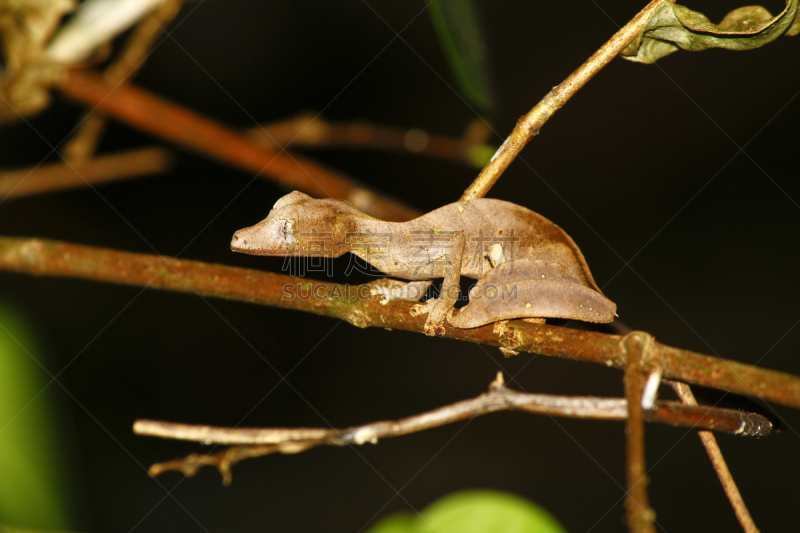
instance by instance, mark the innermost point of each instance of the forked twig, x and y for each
(684, 392)
(254, 442)
(529, 125)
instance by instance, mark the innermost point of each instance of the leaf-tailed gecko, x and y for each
(526, 266)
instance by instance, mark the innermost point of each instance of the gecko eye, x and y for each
(283, 230)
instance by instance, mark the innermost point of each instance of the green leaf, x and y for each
(396, 523)
(456, 24)
(474, 511)
(672, 26)
(31, 464)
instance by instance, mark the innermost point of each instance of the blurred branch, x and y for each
(179, 125)
(84, 143)
(355, 305)
(57, 176)
(254, 442)
(308, 129)
(684, 392)
(529, 125)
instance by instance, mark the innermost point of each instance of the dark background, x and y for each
(641, 163)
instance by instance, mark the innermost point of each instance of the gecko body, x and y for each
(526, 266)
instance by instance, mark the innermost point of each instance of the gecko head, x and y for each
(297, 225)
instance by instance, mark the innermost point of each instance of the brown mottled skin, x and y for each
(536, 270)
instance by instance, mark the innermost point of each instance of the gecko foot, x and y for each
(423, 308)
(392, 289)
(434, 330)
(434, 327)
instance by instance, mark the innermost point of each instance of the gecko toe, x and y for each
(434, 330)
(423, 308)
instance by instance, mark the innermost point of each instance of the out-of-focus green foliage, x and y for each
(480, 154)
(672, 26)
(474, 511)
(31, 467)
(456, 24)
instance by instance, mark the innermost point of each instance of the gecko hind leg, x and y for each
(392, 289)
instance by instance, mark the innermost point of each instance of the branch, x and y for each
(179, 125)
(720, 466)
(254, 442)
(58, 176)
(308, 129)
(529, 125)
(637, 346)
(355, 305)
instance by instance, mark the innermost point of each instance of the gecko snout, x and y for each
(238, 242)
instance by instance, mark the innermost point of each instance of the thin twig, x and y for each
(84, 143)
(252, 442)
(684, 392)
(58, 176)
(637, 346)
(355, 305)
(529, 125)
(308, 129)
(178, 124)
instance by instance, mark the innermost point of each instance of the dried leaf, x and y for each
(672, 26)
(95, 24)
(25, 27)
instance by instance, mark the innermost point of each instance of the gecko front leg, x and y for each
(438, 308)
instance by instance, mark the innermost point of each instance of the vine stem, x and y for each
(529, 125)
(355, 305)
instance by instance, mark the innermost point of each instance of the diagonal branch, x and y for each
(355, 305)
(254, 442)
(684, 392)
(529, 125)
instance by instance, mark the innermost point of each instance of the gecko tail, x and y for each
(533, 298)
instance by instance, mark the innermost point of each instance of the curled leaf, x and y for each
(672, 26)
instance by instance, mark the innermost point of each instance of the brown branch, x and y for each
(637, 346)
(308, 129)
(179, 125)
(58, 176)
(720, 466)
(529, 125)
(83, 144)
(253, 442)
(355, 305)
